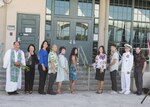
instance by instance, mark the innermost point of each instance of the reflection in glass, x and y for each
(97, 7)
(48, 27)
(48, 6)
(63, 30)
(141, 15)
(96, 26)
(120, 21)
(62, 7)
(85, 8)
(120, 12)
(81, 31)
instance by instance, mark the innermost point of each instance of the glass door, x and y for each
(74, 33)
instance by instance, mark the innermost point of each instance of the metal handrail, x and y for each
(1, 52)
(82, 55)
(85, 63)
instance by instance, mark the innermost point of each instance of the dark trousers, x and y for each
(113, 76)
(29, 79)
(138, 79)
(42, 79)
(52, 78)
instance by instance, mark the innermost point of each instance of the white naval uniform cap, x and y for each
(127, 45)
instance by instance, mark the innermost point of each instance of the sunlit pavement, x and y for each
(80, 99)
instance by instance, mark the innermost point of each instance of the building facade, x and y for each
(76, 23)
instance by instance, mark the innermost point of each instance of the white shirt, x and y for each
(114, 56)
(127, 62)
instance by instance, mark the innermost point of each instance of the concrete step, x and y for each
(82, 82)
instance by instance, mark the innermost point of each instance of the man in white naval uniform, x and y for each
(127, 64)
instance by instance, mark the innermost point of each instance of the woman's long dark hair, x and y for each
(43, 44)
(71, 54)
(102, 49)
(32, 46)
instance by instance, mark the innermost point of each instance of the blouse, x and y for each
(43, 57)
(100, 61)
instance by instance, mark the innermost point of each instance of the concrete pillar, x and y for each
(103, 23)
(106, 38)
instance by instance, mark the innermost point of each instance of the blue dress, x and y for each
(72, 73)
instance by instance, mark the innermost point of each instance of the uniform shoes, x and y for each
(127, 92)
(139, 93)
(114, 92)
(122, 92)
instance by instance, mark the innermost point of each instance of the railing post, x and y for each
(89, 77)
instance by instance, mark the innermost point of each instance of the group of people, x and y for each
(128, 62)
(59, 69)
(49, 63)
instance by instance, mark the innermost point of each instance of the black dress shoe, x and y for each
(43, 93)
(10, 93)
(52, 93)
(15, 93)
(139, 93)
(26, 92)
(30, 92)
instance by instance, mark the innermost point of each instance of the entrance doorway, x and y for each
(28, 30)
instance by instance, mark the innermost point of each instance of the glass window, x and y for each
(62, 7)
(96, 26)
(97, 9)
(48, 7)
(63, 29)
(120, 12)
(81, 31)
(85, 8)
(48, 20)
(48, 27)
(120, 18)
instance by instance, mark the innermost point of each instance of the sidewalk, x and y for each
(81, 99)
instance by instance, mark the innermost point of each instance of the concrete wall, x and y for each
(2, 23)
(26, 7)
(2, 32)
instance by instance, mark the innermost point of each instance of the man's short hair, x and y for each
(114, 45)
(16, 42)
(138, 47)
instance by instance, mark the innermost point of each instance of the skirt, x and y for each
(99, 75)
(72, 73)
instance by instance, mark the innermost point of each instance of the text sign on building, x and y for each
(28, 30)
(10, 27)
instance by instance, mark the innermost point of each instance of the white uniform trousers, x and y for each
(125, 82)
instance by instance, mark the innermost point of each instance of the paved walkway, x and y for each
(81, 99)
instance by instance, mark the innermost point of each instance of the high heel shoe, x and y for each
(100, 91)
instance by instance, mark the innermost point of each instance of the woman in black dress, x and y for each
(100, 62)
(31, 61)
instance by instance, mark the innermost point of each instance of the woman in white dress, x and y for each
(63, 72)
